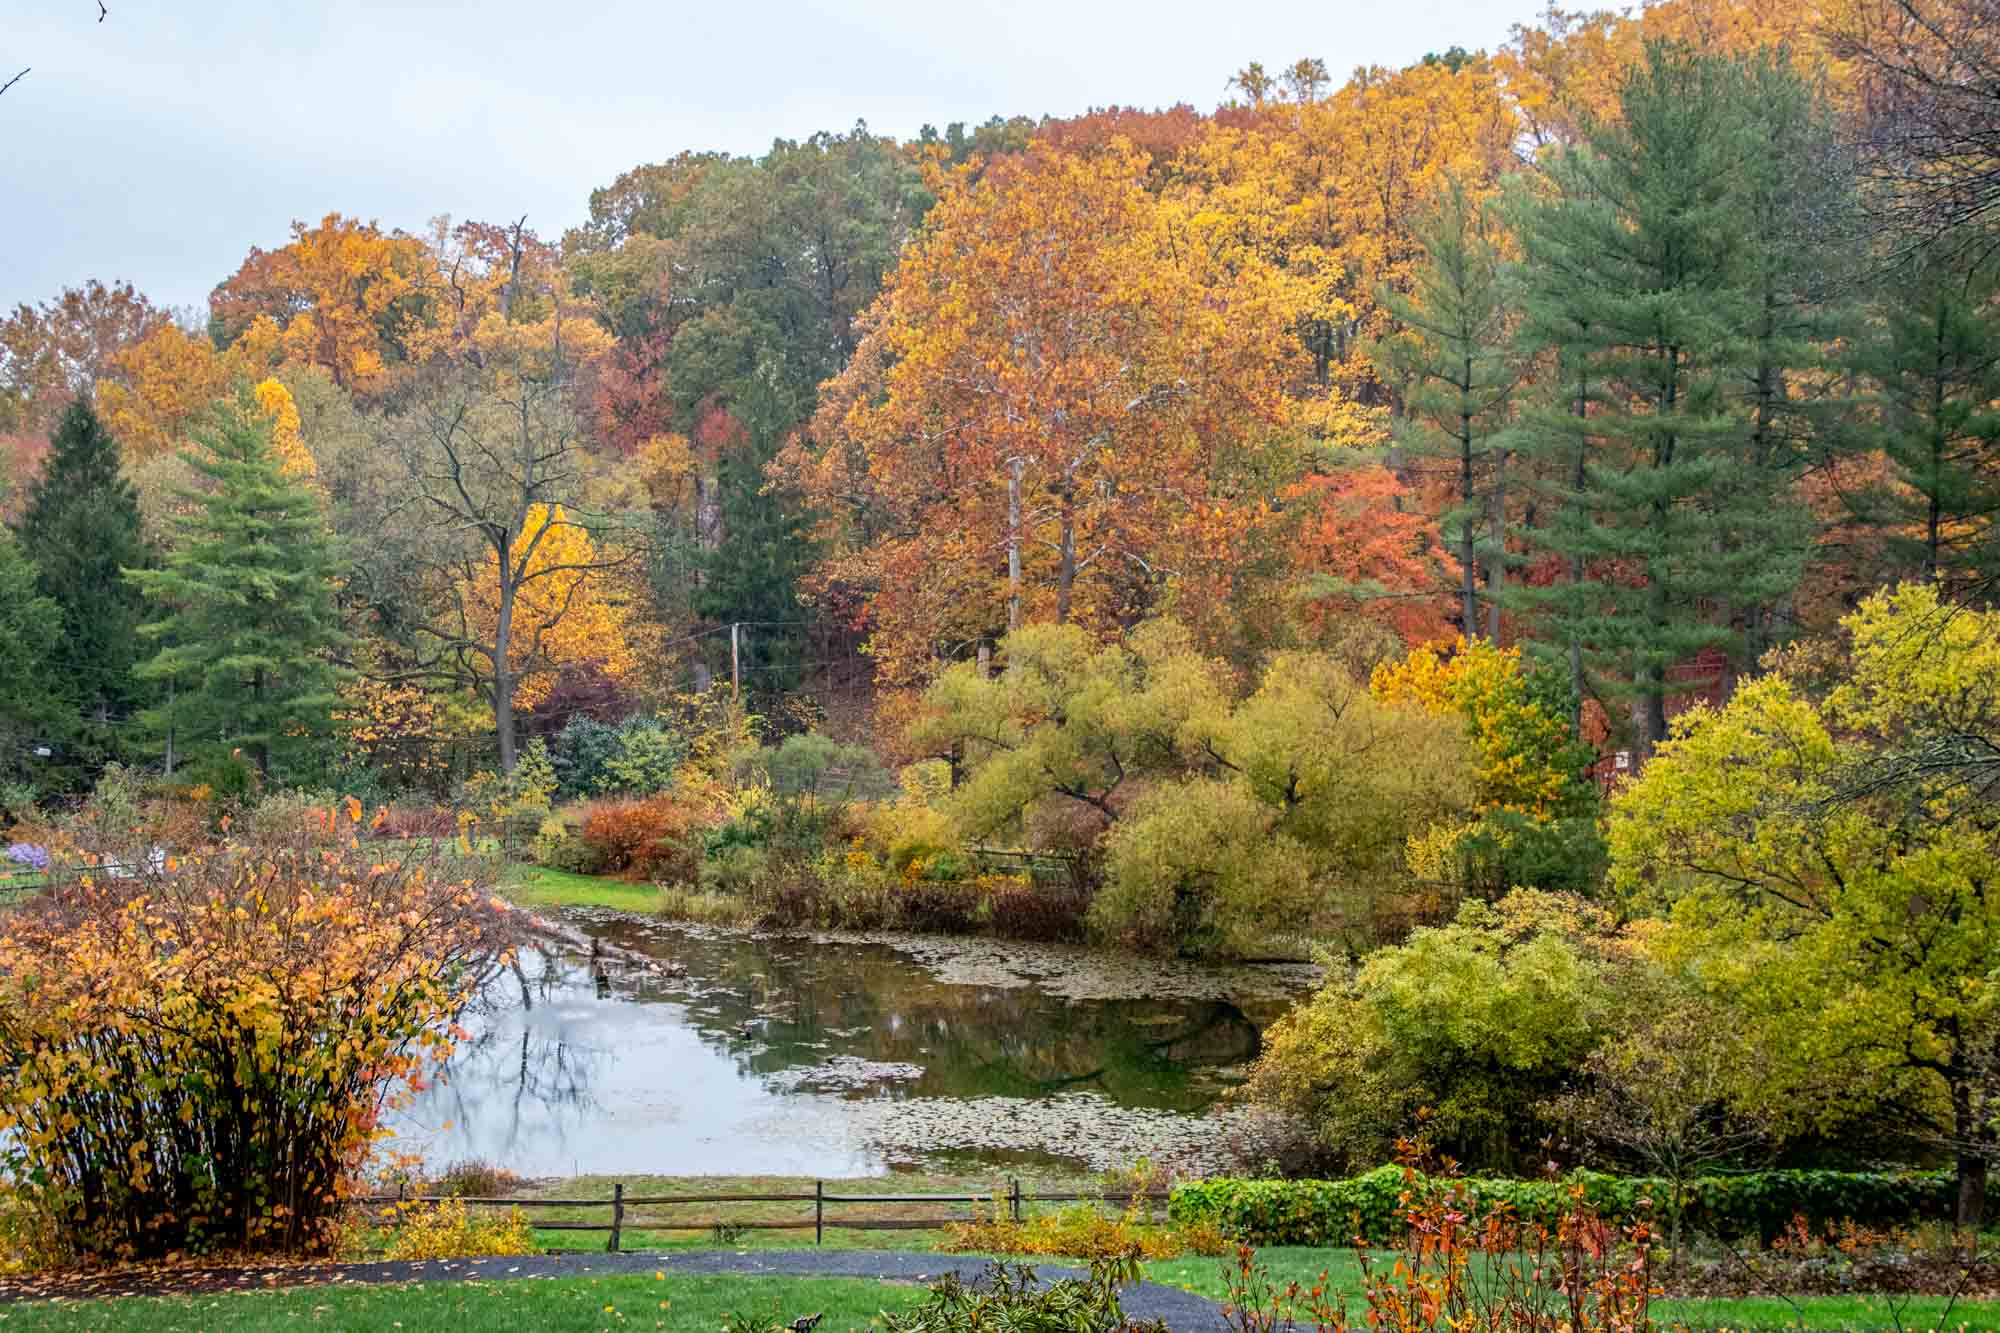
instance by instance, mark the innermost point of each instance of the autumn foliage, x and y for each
(196, 1052)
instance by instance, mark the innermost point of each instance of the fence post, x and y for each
(819, 1211)
(617, 1215)
(1014, 1197)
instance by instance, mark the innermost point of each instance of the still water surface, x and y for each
(631, 1046)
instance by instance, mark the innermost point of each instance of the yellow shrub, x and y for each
(450, 1230)
(1081, 1231)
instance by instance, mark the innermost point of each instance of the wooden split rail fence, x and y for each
(620, 1202)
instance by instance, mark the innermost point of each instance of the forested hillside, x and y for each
(1523, 528)
(1648, 343)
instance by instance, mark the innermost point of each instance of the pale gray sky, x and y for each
(161, 144)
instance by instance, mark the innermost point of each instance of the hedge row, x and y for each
(1334, 1212)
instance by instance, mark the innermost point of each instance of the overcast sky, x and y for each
(162, 143)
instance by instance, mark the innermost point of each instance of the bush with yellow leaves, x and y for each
(1083, 1231)
(449, 1229)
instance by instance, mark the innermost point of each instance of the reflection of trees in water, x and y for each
(776, 1005)
(500, 1082)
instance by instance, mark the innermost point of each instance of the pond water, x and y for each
(627, 1045)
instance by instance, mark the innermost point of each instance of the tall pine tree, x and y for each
(1457, 367)
(752, 574)
(1642, 283)
(34, 714)
(81, 527)
(247, 620)
(1935, 358)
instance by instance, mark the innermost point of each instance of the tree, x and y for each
(1290, 817)
(1666, 1093)
(1065, 720)
(1930, 75)
(1829, 857)
(1640, 275)
(1936, 358)
(491, 449)
(81, 525)
(1457, 368)
(1462, 1033)
(245, 610)
(754, 573)
(1067, 381)
(33, 711)
(344, 295)
(56, 350)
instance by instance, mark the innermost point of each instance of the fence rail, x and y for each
(620, 1202)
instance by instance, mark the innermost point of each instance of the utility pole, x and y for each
(735, 664)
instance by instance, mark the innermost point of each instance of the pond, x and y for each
(627, 1045)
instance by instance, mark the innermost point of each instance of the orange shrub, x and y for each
(196, 1054)
(653, 837)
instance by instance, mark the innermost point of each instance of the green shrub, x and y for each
(1761, 1204)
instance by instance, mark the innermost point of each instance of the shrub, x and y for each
(1573, 1273)
(656, 837)
(474, 1179)
(560, 845)
(197, 1054)
(451, 1230)
(580, 753)
(1083, 1231)
(645, 759)
(1009, 1297)
(1762, 1204)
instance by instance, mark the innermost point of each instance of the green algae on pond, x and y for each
(626, 1045)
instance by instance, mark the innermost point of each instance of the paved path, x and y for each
(1183, 1311)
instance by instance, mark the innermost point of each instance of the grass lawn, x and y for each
(533, 886)
(1824, 1314)
(552, 1306)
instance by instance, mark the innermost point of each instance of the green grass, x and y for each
(535, 886)
(1824, 1314)
(555, 1306)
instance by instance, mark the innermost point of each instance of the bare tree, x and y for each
(1930, 74)
(485, 449)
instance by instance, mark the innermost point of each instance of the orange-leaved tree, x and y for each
(197, 1052)
(345, 295)
(1067, 378)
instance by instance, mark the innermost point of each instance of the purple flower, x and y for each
(28, 854)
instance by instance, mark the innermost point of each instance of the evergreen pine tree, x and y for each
(1936, 360)
(34, 715)
(81, 527)
(246, 620)
(1458, 368)
(753, 573)
(1641, 283)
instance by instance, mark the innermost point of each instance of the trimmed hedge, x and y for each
(1763, 1203)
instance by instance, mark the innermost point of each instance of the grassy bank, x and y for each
(550, 1306)
(535, 886)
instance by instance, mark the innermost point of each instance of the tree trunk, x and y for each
(1014, 544)
(1066, 573)
(1496, 567)
(1974, 1143)
(1468, 557)
(503, 674)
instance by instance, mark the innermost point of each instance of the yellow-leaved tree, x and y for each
(1827, 846)
(570, 610)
